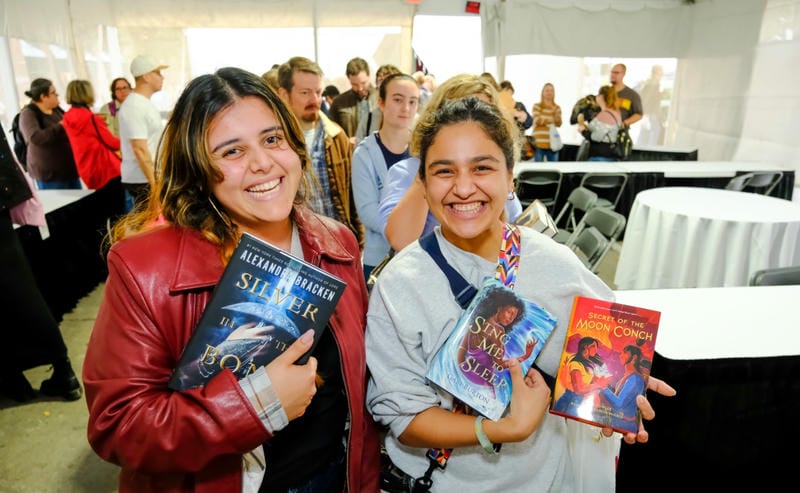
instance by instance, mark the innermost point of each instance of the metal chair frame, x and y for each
(589, 245)
(607, 222)
(776, 276)
(529, 181)
(606, 184)
(763, 182)
(579, 199)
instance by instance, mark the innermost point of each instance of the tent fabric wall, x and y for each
(736, 93)
(772, 126)
(653, 30)
(738, 86)
(714, 77)
(25, 18)
(156, 27)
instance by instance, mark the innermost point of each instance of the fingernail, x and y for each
(308, 337)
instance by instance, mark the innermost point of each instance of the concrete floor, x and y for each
(43, 446)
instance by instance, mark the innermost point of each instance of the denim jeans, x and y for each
(542, 154)
(129, 201)
(74, 184)
(329, 479)
(136, 195)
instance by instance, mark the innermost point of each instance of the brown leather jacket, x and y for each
(339, 158)
(192, 441)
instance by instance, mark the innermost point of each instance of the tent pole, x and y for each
(314, 20)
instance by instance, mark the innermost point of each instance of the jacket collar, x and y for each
(199, 264)
(331, 129)
(320, 237)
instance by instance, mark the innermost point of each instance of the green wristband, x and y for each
(487, 444)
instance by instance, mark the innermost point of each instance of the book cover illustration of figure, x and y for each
(496, 326)
(264, 301)
(605, 363)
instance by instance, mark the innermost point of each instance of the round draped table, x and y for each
(683, 237)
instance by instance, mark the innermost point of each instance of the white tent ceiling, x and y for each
(737, 76)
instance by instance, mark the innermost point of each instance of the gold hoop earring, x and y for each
(225, 218)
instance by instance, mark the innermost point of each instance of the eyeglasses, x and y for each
(123, 88)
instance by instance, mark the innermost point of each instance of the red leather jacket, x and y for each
(159, 282)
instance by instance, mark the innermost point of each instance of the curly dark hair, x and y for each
(497, 298)
(469, 109)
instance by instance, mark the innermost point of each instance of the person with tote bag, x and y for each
(546, 120)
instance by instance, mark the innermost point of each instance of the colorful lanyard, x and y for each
(506, 272)
(508, 258)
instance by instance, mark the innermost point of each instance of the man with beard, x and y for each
(329, 148)
(351, 106)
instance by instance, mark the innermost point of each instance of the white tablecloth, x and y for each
(671, 169)
(680, 237)
(55, 199)
(712, 323)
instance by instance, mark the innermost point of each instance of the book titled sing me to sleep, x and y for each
(496, 326)
(605, 363)
(265, 300)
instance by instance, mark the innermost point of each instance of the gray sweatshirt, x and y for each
(411, 313)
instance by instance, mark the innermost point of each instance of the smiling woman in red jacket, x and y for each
(232, 161)
(95, 148)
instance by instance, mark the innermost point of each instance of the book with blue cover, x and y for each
(496, 326)
(265, 300)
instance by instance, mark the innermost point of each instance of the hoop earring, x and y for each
(512, 195)
(225, 219)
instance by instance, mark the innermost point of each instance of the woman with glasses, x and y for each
(49, 156)
(120, 88)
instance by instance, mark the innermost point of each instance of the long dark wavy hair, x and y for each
(185, 171)
(591, 361)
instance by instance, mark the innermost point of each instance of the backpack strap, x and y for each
(40, 116)
(462, 290)
(615, 118)
(608, 134)
(100, 136)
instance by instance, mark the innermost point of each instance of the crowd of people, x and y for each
(344, 181)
